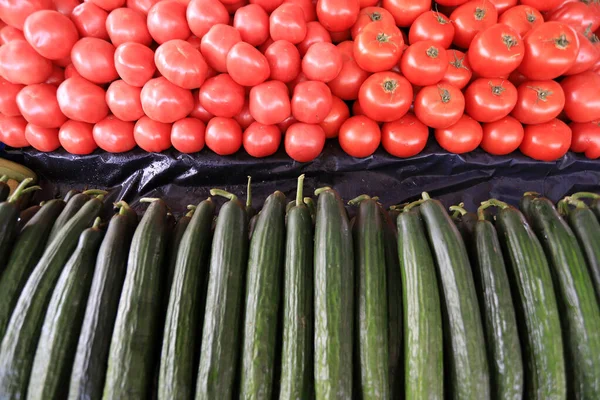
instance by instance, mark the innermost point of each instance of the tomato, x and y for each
(385, 96)
(439, 106)
(311, 102)
(203, 14)
(284, 61)
(268, 5)
(8, 34)
(546, 142)
(81, 100)
(462, 137)
(8, 98)
(216, 44)
(542, 5)
(244, 117)
(432, 26)
(371, 14)
(70, 72)
(42, 139)
(339, 37)
(124, 101)
(496, 51)
(308, 9)
(14, 12)
(252, 23)
(134, 63)
(246, 65)
(113, 135)
(589, 53)
(199, 112)
(488, 100)
(471, 18)
(12, 131)
(299, 79)
(152, 136)
(90, 21)
(126, 25)
(141, 6)
(582, 103)
(357, 109)
(538, 101)
(424, 63)
(223, 136)
(359, 136)
(522, 19)
(304, 142)
(315, 33)
(20, 63)
(348, 82)
(586, 138)
(180, 63)
(336, 117)
(222, 96)
(378, 47)
(77, 137)
(57, 76)
(187, 135)
(577, 14)
(289, 121)
(406, 11)
(167, 21)
(337, 15)
(459, 72)
(287, 23)
(50, 33)
(94, 59)
(502, 137)
(269, 103)
(503, 5)
(261, 140)
(165, 102)
(39, 106)
(550, 50)
(322, 62)
(66, 7)
(233, 5)
(404, 137)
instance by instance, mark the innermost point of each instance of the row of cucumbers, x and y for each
(300, 300)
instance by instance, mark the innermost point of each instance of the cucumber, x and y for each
(62, 323)
(334, 298)
(595, 207)
(465, 222)
(469, 374)
(173, 250)
(91, 357)
(134, 343)
(423, 339)
(70, 194)
(525, 202)
(185, 308)
(579, 311)
(26, 215)
(372, 311)
(535, 305)
(297, 348)
(220, 334)
(24, 327)
(15, 171)
(72, 206)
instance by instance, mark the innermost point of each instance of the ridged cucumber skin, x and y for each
(466, 226)
(71, 208)
(586, 228)
(263, 293)
(58, 341)
(372, 312)
(334, 299)
(221, 342)
(9, 217)
(297, 357)
(469, 373)
(173, 251)
(185, 309)
(91, 359)
(24, 327)
(498, 313)
(423, 337)
(133, 347)
(579, 311)
(535, 306)
(26, 215)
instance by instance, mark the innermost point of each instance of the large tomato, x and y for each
(502, 137)
(261, 140)
(336, 117)
(546, 142)
(8, 98)
(222, 97)
(308, 9)
(582, 103)
(284, 61)
(181, 64)
(20, 63)
(269, 103)
(304, 142)
(311, 102)
(8, 34)
(404, 137)
(124, 101)
(433, 26)
(94, 59)
(187, 135)
(39, 106)
(522, 19)
(462, 137)
(385, 96)
(12, 131)
(368, 15)
(542, 5)
(166, 21)
(586, 138)
(216, 44)
(42, 139)
(152, 136)
(550, 50)
(378, 47)
(223, 136)
(424, 63)
(252, 23)
(244, 118)
(246, 65)
(359, 136)
(471, 18)
(496, 51)
(268, 5)
(348, 82)
(337, 15)
(141, 6)
(459, 71)
(589, 53)
(488, 100)
(199, 112)
(406, 11)
(77, 137)
(439, 106)
(165, 102)
(126, 25)
(503, 5)
(322, 62)
(538, 102)
(50, 33)
(581, 15)
(134, 63)
(315, 33)
(14, 12)
(287, 23)
(90, 20)
(113, 135)
(81, 100)
(203, 14)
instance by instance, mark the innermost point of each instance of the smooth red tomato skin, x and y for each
(134, 63)
(284, 61)
(261, 140)
(252, 22)
(359, 136)
(342, 36)
(244, 118)
(77, 137)
(289, 121)
(315, 33)
(424, 63)
(471, 18)
(287, 23)
(406, 11)
(222, 96)
(385, 96)
(586, 138)
(165, 102)
(588, 55)
(378, 47)
(8, 34)
(522, 19)
(336, 117)
(113, 135)
(223, 136)
(311, 102)
(246, 65)
(216, 44)
(488, 100)
(462, 137)
(90, 21)
(108, 5)
(42, 139)
(542, 5)
(199, 112)
(81, 100)
(8, 98)
(368, 15)
(337, 15)
(268, 5)
(490, 56)
(404, 137)
(187, 135)
(308, 8)
(15, 12)
(322, 62)
(57, 76)
(50, 33)
(12, 131)
(439, 106)
(203, 14)
(348, 82)
(546, 142)
(582, 100)
(459, 71)
(578, 14)
(269, 103)
(304, 142)
(433, 26)
(20, 63)
(167, 21)
(94, 59)
(126, 25)
(538, 102)
(39, 106)
(502, 137)
(151, 136)
(141, 6)
(124, 101)
(181, 64)
(503, 5)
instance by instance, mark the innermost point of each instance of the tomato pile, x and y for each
(116, 74)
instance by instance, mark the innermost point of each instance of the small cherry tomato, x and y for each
(315, 33)
(12, 131)
(522, 19)
(348, 82)
(304, 142)
(90, 20)
(42, 139)
(496, 51)
(244, 118)
(50, 33)
(8, 98)
(203, 14)
(404, 137)
(20, 63)
(359, 136)
(269, 103)
(166, 21)
(187, 135)
(223, 136)
(39, 106)
(385, 96)
(368, 15)
(424, 63)
(459, 72)
(586, 138)
(538, 102)
(471, 18)
(222, 97)
(81, 100)
(124, 101)
(152, 136)
(432, 26)
(546, 142)
(126, 25)
(217, 42)
(488, 100)
(378, 47)
(337, 15)
(261, 140)
(287, 23)
(336, 117)
(134, 63)
(284, 61)
(181, 64)
(502, 137)
(246, 65)
(15, 12)
(94, 59)
(77, 137)
(582, 103)
(165, 102)
(113, 135)
(462, 137)
(322, 62)
(406, 11)
(252, 23)
(439, 106)
(311, 102)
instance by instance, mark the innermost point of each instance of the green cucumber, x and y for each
(465, 222)
(58, 341)
(220, 333)
(185, 308)
(595, 206)
(297, 357)
(525, 202)
(134, 343)
(72, 206)
(535, 305)
(250, 211)
(26, 215)
(70, 194)
(91, 358)
(173, 250)
(334, 298)
(24, 327)
(423, 339)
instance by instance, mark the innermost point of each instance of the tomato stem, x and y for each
(433, 52)
(496, 90)
(542, 94)
(458, 62)
(389, 85)
(531, 18)
(509, 41)
(562, 42)
(444, 94)
(479, 13)
(375, 16)
(383, 38)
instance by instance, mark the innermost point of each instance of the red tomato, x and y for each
(357, 109)
(269, 103)
(90, 21)
(216, 44)
(268, 5)
(311, 102)
(152, 136)
(471, 18)
(304, 142)
(199, 112)
(578, 14)
(308, 9)
(406, 11)
(244, 118)
(385, 96)
(8, 34)
(181, 64)
(336, 117)
(50, 33)
(77, 137)
(223, 136)
(432, 26)
(424, 63)
(66, 7)
(8, 98)
(203, 14)
(124, 101)
(502, 137)
(134, 63)
(187, 135)
(283, 126)
(586, 138)
(12, 131)
(299, 79)
(39, 106)
(222, 96)
(462, 137)
(516, 78)
(342, 36)
(522, 19)
(126, 25)
(234, 5)
(113, 135)
(141, 6)
(322, 62)
(14, 12)
(337, 15)
(20, 63)
(404, 137)
(287, 23)
(252, 22)
(70, 72)
(368, 15)
(378, 47)
(165, 102)
(546, 142)
(582, 103)
(439, 106)
(167, 21)
(81, 100)
(57, 77)
(284, 61)
(315, 33)
(496, 51)
(488, 100)
(538, 102)
(503, 5)
(94, 59)
(261, 140)
(348, 82)
(542, 5)
(42, 139)
(108, 5)
(459, 72)
(359, 136)
(550, 50)
(246, 65)
(589, 53)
